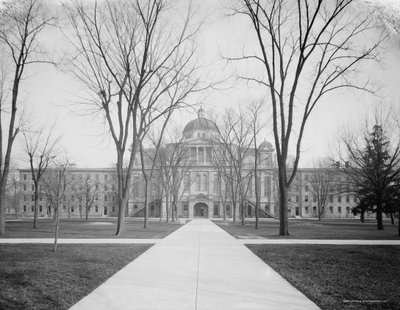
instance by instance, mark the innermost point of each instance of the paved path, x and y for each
(319, 241)
(199, 266)
(77, 240)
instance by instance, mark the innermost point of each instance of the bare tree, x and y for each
(138, 67)
(255, 111)
(86, 193)
(21, 23)
(55, 184)
(307, 49)
(322, 185)
(40, 147)
(231, 149)
(174, 165)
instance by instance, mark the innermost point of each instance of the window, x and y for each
(315, 198)
(33, 198)
(24, 198)
(306, 177)
(297, 198)
(348, 198)
(24, 187)
(289, 198)
(105, 177)
(198, 182)
(306, 210)
(330, 198)
(24, 177)
(72, 177)
(205, 183)
(72, 209)
(105, 197)
(97, 177)
(185, 207)
(105, 210)
(347, 209)
(306, 188)
(31, 208)
(339, 198)
(216, 210)
(306, 198)
(40, 208)
(96, 208)
(80, 177)
(40, 198)
(339, 209)
(331, 210)
(97, 187)
(72, 198)
(314, 209)
(24, 208)
(32, 187)
(105, 187)
(297, 188)
(113, 187)
(354, 198)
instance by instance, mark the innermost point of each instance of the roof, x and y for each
(200, 124)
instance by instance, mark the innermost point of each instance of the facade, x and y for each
(201, 191)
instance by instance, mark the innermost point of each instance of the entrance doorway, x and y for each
(200, 209)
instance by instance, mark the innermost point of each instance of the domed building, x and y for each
(194, 177)
(203, 181)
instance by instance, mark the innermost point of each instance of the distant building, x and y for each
(199, 193)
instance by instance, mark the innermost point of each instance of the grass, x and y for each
(94, 228)
(34, 277)
(339, 277)
(313, 229)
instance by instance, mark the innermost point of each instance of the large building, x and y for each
(202, 189)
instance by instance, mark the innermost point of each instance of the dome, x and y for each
(265, 145)
(200, 123)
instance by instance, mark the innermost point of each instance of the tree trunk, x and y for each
(224, 211)
(146, 202)
(234, 211)
(392, 218)
(283, 206)
(86, 212)
(56, 229)
(319, 211)
(2, 208)
(362, 216)
(398, 221)
(379, 218)
(167, 208)
(35, 210)
(121, 216)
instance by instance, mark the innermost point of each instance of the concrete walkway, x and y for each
(320, 241)
(77, 241)
(199, 266)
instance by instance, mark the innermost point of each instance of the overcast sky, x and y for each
(51, 95)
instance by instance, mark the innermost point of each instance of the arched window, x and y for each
(198, 182)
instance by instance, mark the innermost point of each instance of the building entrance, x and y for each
(200, 209)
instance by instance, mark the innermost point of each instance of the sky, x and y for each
(50, 95)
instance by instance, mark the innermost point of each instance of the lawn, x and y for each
(339, 277)
(34, 277)
(313, 229)
(94, 228)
